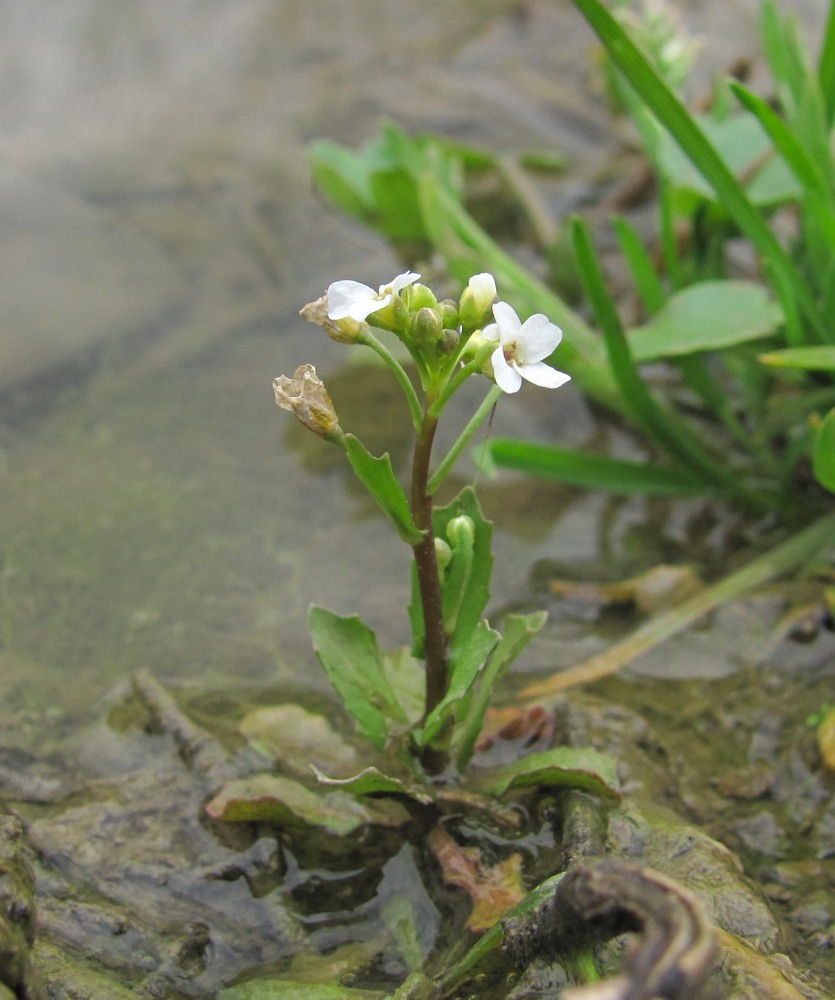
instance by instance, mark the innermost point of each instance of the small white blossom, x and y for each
(483, 288)
(354, 300)
(522, 348)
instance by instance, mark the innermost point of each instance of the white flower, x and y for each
(354, 300)
(521, 349)
(483, 288)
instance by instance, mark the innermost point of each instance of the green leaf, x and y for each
(592, 471)
(565, 766)
(348, 651)
(342, 176)
(272, 798)
(372, 781)
(469, 592)
(674, 116)
(518, 632)
(823, 452)
(475, 588)
(740, 142)
(709, 316)
(813, 359)
(288, 989)
(377, 475)
(467, 660)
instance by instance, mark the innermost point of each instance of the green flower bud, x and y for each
(476, 302)
(427, 326)
(461, 531)
(449, 314)
(443, 555)
(449, 341)
(421, 297)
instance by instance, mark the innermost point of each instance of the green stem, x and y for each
(464, 437)
(454, 384)
(368, 338)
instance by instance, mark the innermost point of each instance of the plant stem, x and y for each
(399, 373)
(463, 438)
(429, 584)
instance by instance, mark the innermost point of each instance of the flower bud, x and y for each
(449, 341)
(443, 555)
(476, 301)
(421, 297)
(427, 326)
(461, 531)
(449, 314)
(305, 395)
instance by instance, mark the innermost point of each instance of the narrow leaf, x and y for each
(377, 475)
(592, 471)
(348, 651)
(290, 989)
(813, 359)
(673, 115)
(823, 452)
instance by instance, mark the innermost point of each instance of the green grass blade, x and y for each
(644, 274)
(661, 426)
(591, 471)
(673, 115)
(826, 66)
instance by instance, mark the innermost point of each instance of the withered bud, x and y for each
(305, 395)
(345, 330)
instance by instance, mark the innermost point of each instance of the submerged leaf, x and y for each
(287, 989)
(567, 766)
(272, 798)
(493, 890)
(298, 738)
(372, 781)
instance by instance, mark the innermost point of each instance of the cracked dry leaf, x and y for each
(493, 889)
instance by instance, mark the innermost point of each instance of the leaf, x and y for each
(372, 781)
(821, 359)
(690, 138)
(288, 989)
(493, 890)
(472, 589)
(377, 475)
(709, 316)
(518, 632)
(348, 651)
(823, 452)
(272, 798)
(467, 660)
(568, 766)
(342, 176)
(592, 471)
(298, 738)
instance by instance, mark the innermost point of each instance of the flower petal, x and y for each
(541, 374)
(537, 339)
(401, 281)
(351, 299)
(483, 288)
(508, 322)
(507, 378)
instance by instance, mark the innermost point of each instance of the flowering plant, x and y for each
(426, 706)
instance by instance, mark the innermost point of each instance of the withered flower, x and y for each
(305, 395)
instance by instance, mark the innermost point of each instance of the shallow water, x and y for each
(159, 236)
